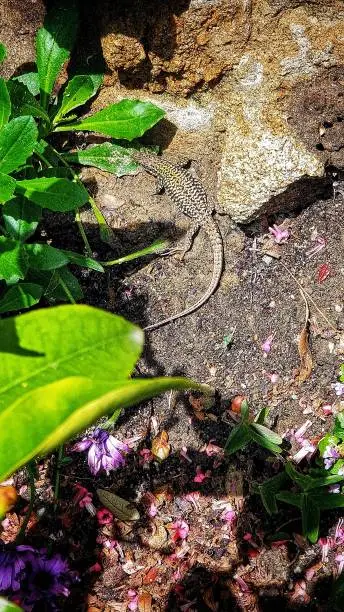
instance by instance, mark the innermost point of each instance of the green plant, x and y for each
(61, 369)
(252, 430)
(305, 490)
(35, 176)
(8, 606)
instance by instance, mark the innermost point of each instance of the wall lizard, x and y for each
(189, 196)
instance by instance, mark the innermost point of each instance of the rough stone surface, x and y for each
(19, 21)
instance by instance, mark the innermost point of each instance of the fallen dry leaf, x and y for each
(144, 602)
(161, 447)
(306, 360)
(8, 498)
(120, 508)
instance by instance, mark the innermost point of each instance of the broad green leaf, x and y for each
(341, 379)
(336, 603)
(21, 218)
(328, 440)
(8, 606)
(106, 156)
(239, 437)
(13, 260)
(20, 296)
(307, 483)
(268, 491)
(7, 187)
(3, 53)
(45, 257)
(310, 518)
(338, 429)
(328, 501)
(33, 426)
(23, 102)
(265, 432)
(5, 103)
(77, 356)
(64, 286)
(259, 435)
(46, 345)
(127, 119)
(30, 80)
(81, 260)
(17, 141)
(58, 194)
(294, 499)
(339, 465)
(79, 89)
(54, 43)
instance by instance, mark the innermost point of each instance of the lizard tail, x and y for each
(211, 227)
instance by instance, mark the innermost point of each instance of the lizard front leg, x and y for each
(181, 250)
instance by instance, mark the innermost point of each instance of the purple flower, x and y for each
(330, 455)
(12, 564)
(47, 577)
(339, 388)
(104, 451)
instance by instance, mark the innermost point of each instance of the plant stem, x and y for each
(106, 232)
(111, 420)
(31, 473)
(83, 233)
(66, 290)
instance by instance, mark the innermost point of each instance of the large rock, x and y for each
(272, 73)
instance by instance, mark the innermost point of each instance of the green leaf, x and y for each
(157, 247)
(30, 80)
(7, 187)
(45, 257)
(328, 501)
(106, 156)
(245, 411)
(79, 89)
(13, 260)
(265, 437)
(294, 499)
(54, 43)
(81, 260)
(120, 508)
(5, 103)
(3, 53)
(62, 286)
(268, 491)
(310, 518)
(20, 296)
(58, 194)
(338, 429)
(341, 379)
(307, 483)
(8, 606)
(339, 465)
(239, 437)
(80, 358)
(262, 416)
(17, 141)
(23, 102)
(328, 440)
(336, 603)
(127, 119)
(21, 218)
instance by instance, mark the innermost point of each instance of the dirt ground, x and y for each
(258, 298)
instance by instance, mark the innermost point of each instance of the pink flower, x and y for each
(242, 584)
(211, 449)
(104, 516)
(181, 530)
(83, 498)
(146, 456)
(133, 600)
(193, 499)
(327, 409)
(279, 234)
(95, 569)
(150, 503)
(200, 476)
(340, 560)
(266, 346)
(229, 516)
